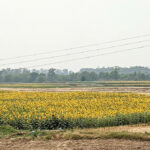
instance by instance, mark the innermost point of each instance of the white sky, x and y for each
(33, 26)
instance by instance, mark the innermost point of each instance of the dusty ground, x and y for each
(96, 89)
(92, 144)
(97, 144)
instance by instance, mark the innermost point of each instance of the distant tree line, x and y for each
(55, 75)
(122, 70)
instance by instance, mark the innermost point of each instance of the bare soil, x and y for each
(93, 89)
(96, 144)
(82, 144)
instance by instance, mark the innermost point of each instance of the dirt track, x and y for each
(92, 144)
(94, 89)
(97, 144)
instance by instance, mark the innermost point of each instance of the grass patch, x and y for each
(128, 136)
(6, 130)
(73, 134)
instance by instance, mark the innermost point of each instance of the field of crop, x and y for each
(78, 84)
(53, 110)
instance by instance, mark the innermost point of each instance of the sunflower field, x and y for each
(53, 110)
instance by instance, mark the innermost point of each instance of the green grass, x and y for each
(6, 130)
(129, 136)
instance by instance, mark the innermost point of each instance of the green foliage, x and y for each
(7, 130)
(2, 122)
(53, 75)
(61, 123)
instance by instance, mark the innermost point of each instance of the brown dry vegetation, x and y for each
(110, 138)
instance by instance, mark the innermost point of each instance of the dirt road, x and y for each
(97, 144)
(94, 89)
(84, 144)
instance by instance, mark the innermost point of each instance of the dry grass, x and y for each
(141, 132)
(110, 138)
(121, 132)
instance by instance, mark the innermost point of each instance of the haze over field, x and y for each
(34, 26)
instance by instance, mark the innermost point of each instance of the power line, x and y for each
(78, 47)
(108, 53)
(99, 49)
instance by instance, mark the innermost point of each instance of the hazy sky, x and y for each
(35, 26)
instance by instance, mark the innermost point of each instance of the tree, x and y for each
(41, 78)
(33, 76)
(93, 76)
(51, 75)
(115, 74)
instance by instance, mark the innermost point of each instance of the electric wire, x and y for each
(69, 54)
(78, 47)
(92, 56)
